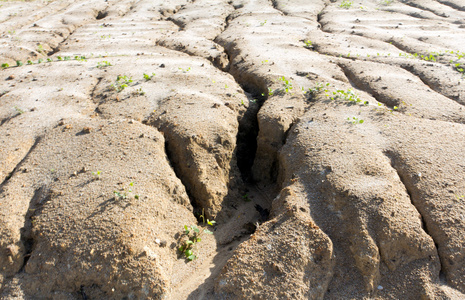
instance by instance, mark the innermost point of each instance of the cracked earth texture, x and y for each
(326, 138)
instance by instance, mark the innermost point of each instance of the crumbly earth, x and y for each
(326, 138)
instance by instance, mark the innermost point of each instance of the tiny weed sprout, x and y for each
(122, 82)
(263, 23)
(308, 44)
(40, 60)
(5, 65)
(49, 59)
(270, 92)
(355, 120)
(19, 63)
(348, 95)
(67, 58)
(319, 88)
(286, 84)
(19, 110)
(59, 58)
(148, 77)
(246, 198)
(103, 64)
(96, 175)
(346, 4)
(264, 61)
(185, 70)
(40, 48)
(125, 193)
(80, 58)
(139, 92)
(193, 234)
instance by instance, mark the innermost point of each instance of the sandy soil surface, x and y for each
(326, 138)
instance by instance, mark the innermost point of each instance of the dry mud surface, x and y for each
(326, 138)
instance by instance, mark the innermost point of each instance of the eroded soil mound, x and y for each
(326, 138)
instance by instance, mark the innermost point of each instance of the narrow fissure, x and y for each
(41, 196)
(406, 184)
(17, 167)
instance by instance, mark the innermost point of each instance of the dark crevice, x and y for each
(176, 169)
(405, 182)
(435, 87)
(423, 7)
(452, 5)
(18, 166)
(389, 102)
(41, 196)
(101, 15)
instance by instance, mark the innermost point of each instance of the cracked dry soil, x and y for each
(326, 138)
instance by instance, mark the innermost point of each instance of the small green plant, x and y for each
(263, 23)
(59, 58)
(103, 64)
(348, 95)
(105, 36)
(139, 92)
(19, 63)
(29, 62)
(264, 61)
(18, 110)
(67, 58)
(49, 59)
(318, 89)
(40, 60)
(386, 2)
(185, 70)
(355, 120)
(96, 175)
(122, 82)
(286, 84)
(246, 198)
(148, 77)
(5, 65)
(40, 48)
(308, 44)
(346, 4)
(270, 92)
(125, 193)
(193, 234)
(80, 58)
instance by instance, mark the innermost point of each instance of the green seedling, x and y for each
(308, 44)
(139, 92)
(96, 175)
(346, 4)
(40, 48)
(125, 194)
(148, 77)
(246, 198)
(386, 2)
(5, 65)
(318, 88)
(348, 95)
(29, 62)
(270, 92)
(355, 120)
(103, 64)
(59, 58)
(49, 59)
(264, 61)
(122, 82)
(193, 234)
(185, 70)
(19, 63)
(263, 23)
(19, 110)
(40, 60)
(80, 58)
(286, 84)
(67, 58)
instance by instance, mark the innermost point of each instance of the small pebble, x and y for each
(380, 287)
